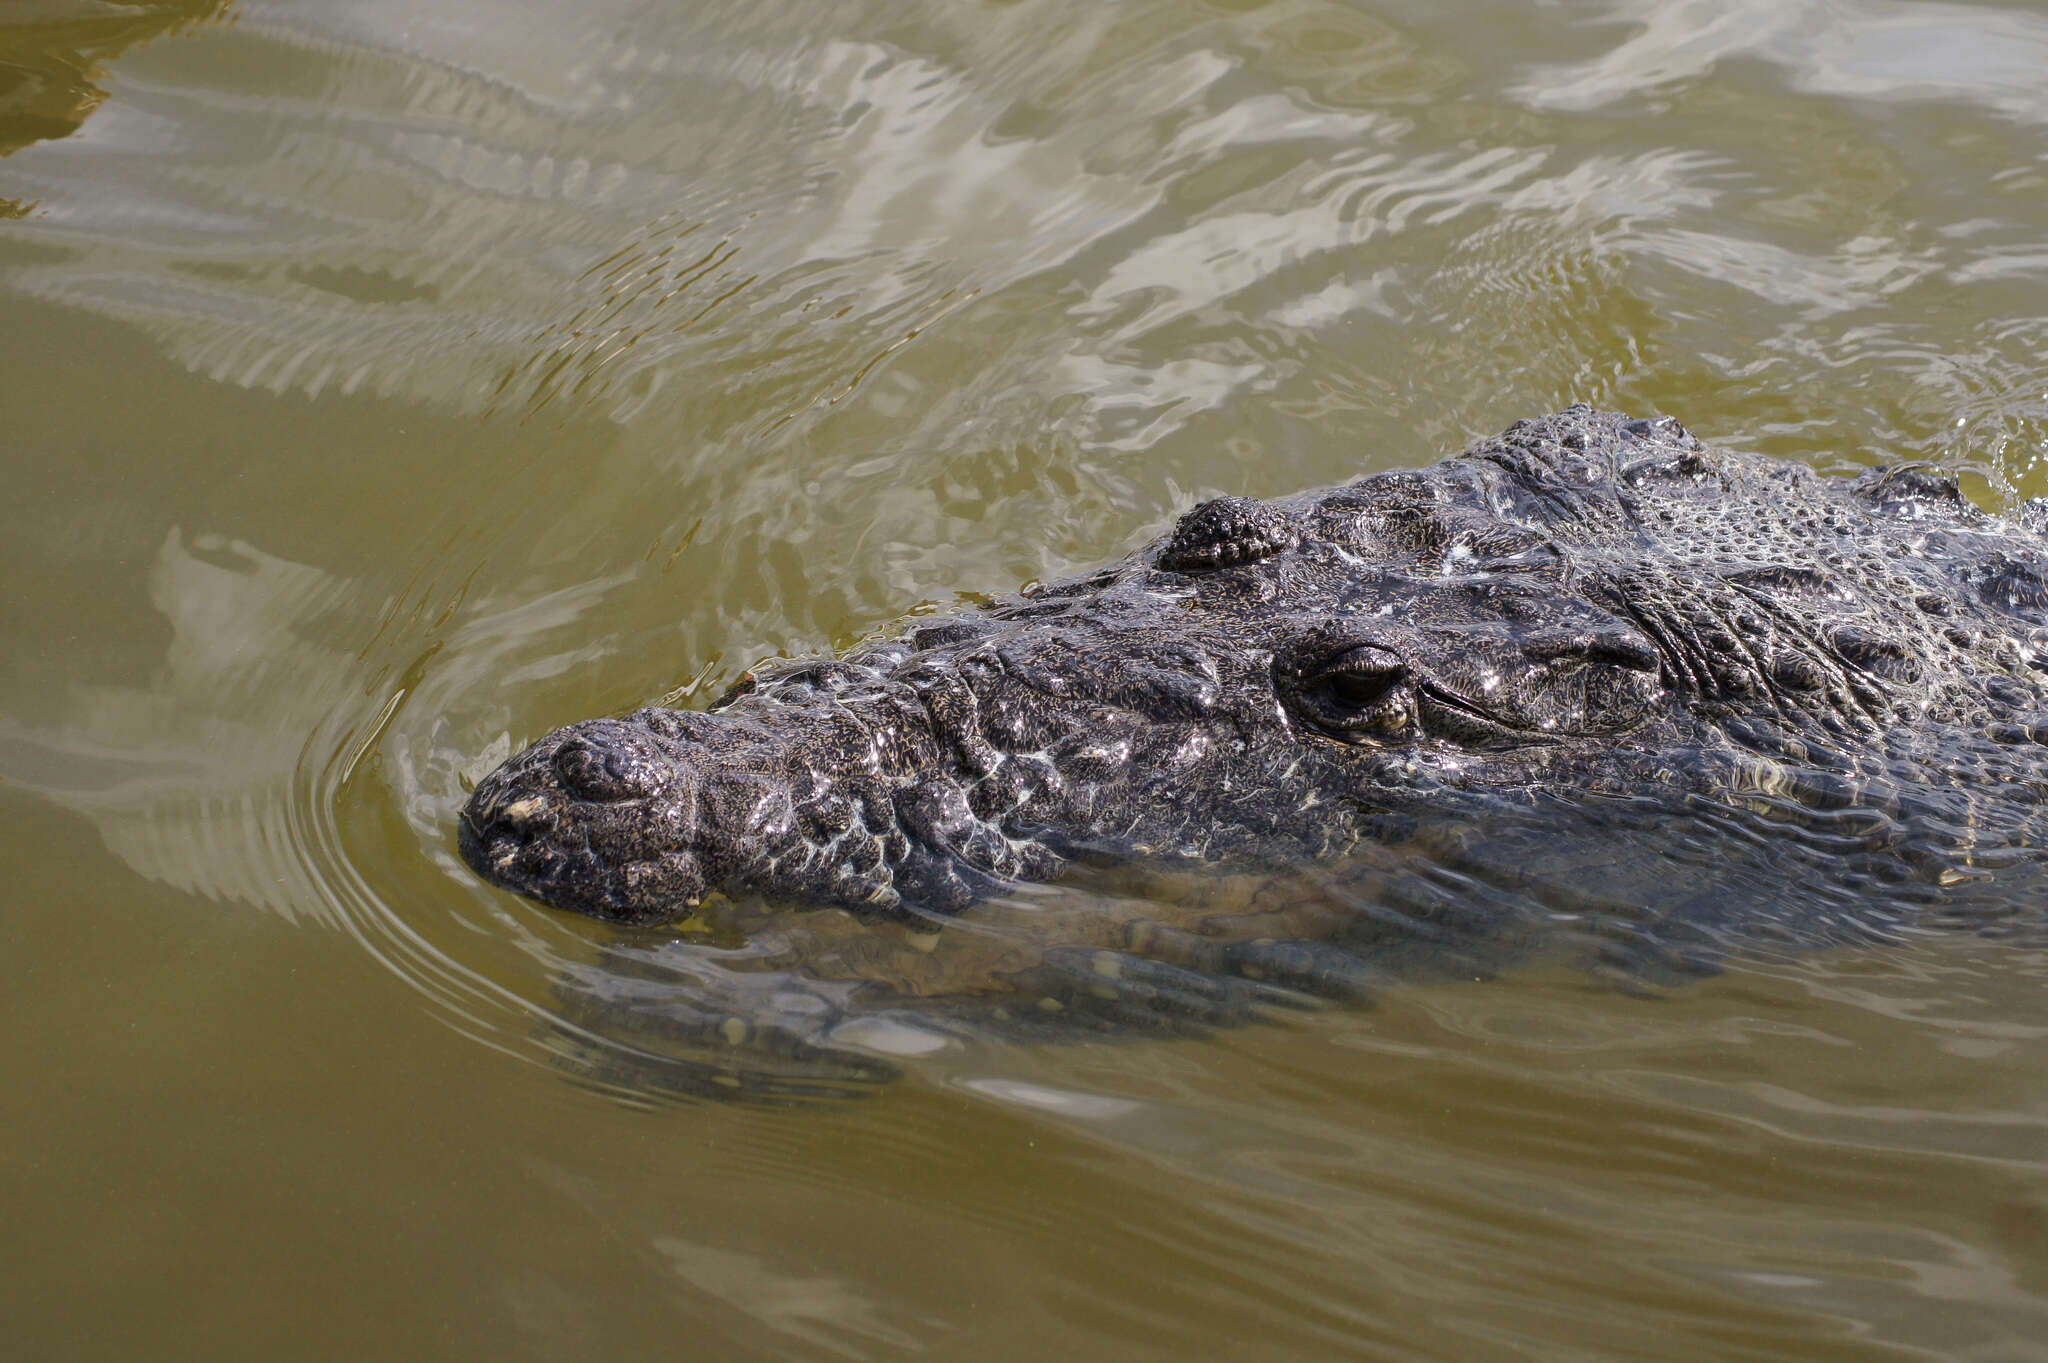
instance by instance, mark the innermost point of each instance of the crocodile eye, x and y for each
(1362, 690)
(1359, 690)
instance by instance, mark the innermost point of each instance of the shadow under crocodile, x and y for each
(759, 1002)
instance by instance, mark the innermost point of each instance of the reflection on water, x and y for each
(188, 779)
(53, 60)
(389, 383)
(1900, 53)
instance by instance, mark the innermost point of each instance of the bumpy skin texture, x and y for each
(1588, 605)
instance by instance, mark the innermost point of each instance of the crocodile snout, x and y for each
(601, 816)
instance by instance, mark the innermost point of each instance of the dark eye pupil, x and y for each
(1359, 690)
(1354, 690)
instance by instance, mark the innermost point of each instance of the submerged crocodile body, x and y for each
(1587, 611)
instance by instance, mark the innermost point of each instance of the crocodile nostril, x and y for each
(610, 768)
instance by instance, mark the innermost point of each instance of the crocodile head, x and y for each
(1565, 607)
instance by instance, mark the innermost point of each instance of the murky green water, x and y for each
(388, 382)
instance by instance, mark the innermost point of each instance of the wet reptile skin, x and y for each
(1586, 606)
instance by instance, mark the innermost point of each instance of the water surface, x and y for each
(389, 383)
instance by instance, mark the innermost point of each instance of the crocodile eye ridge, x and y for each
(1225, 532)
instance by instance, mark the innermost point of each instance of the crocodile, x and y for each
(1591, 615)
